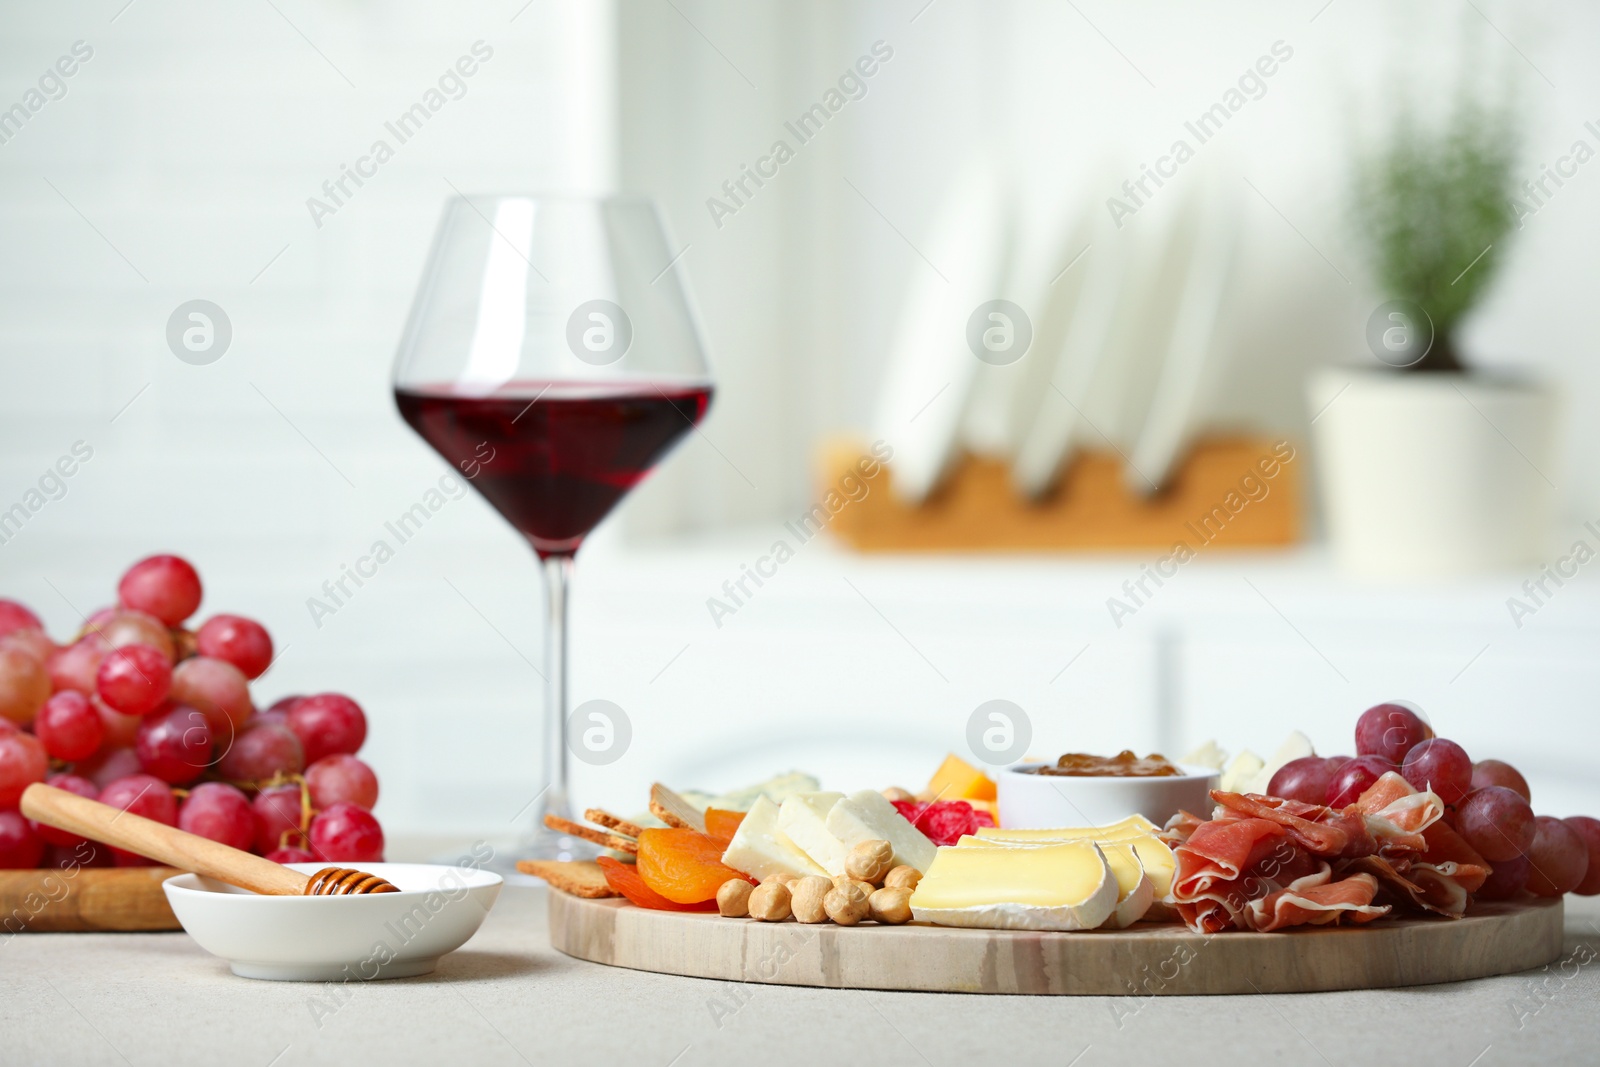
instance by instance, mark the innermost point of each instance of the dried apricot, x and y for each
(683, 865)
(722, 824)
(625, 880)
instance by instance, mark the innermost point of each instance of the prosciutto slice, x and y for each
(1179, 827)
(1226, 865)
(1323, 831)
(1316, 900)
(1394, 799)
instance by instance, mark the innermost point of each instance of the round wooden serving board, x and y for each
(1149, 959)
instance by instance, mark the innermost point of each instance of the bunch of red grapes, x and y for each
(1486, 802)
(148, 716)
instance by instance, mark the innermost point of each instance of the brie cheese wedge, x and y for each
(867, 816)
(1066, 886)
(761, 850)
(1155, 858)
(1135, 889)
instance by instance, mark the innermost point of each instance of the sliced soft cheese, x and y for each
(1294, 747)
(803, 819)
(1155, 857)
(1245, 766)
(1067, 886)
(761, 850)
(1135, 825)
(1135, 889)
(1207, 755)
(867, 816)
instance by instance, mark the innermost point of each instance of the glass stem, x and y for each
(557, 583)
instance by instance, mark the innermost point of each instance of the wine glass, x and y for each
(552, 358)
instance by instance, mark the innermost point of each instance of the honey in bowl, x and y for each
(1123, 765)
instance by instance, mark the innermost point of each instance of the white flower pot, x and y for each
(1434, 474)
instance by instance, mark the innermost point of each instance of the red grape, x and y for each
(220, 812)
(1494, 772)
(242, 642)
(14, 617)
(87, 854)
(134, 679)
(291, 855)
(131, 628)
(20, 847)
(69, 726)
(1354, 778)
(1305, 779)
(120, 729)
(1440, 765)
(1495, 821)
(175, 745)
(1508, 879)
(341, 779)
(328, 724)
(278, 811)
(1589, 830)
(35, 641)
(74, 666)
(347, 834)
(24, 683)
(100, 616)
(1389, 730)
(262, 750)
(50, 835)
(217, 688)
(22, 762)
(109, 764)
(140, 794)
(283, 705)
(165, 586)
(1559, 857)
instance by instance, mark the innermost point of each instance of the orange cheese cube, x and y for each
(956, 779)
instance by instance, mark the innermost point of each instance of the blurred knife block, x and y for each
(976, 509)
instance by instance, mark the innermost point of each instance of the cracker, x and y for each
(673, 810)
(601, 817)
(580, 878)
(589, 833)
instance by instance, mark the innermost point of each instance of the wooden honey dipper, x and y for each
(189, 852)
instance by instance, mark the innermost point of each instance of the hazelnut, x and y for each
(869, 861)
(894, 792)
(782, 877)
(845, 879)
(846, 904)
(769, 902)
(733, 898)
(806, 898)
(902, 877)
(892, 905)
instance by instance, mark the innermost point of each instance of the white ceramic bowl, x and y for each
(1045, 801)
(326, 939)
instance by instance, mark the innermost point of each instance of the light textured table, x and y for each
(508, 998)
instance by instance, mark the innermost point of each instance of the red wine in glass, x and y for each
(554, 457)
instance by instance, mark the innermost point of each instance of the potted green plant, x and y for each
(1429, 466)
